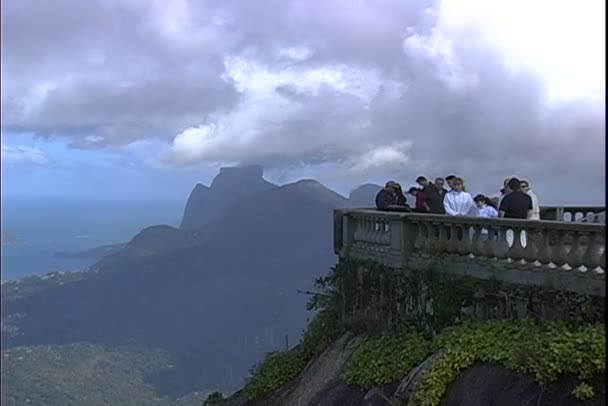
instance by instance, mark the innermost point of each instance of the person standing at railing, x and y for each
(525, 187)
(439, 185)
(450, 179)
(515, 205)
(391, 197)
(433, 202)
(458, 202)
(485, 207)
(419, 196)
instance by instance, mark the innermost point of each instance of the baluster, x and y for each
(544, 254)
(575, 256)
(378, 231)
(501, 250)
(442, 241)
(419, 241)
(386, 235)
(477, 245)
(491, 244)
(431, 229)
(559, 252)
(372, 231)
(367, 230)
(517, 250)
(591, 258)
(530, 253)
(359, 231)
(453, 241)
(464, 248)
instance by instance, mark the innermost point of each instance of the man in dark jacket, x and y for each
(391, 197)
(439, 183)
(433, 202)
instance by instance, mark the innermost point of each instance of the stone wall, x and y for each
(376, 297)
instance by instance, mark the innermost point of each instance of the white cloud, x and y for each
(22, 155)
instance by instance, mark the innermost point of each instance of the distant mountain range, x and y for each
(215, 294)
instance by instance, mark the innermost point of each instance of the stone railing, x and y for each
(571, 213)
(562, 255)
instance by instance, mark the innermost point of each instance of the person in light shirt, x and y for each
(458, 202)
(485, 207)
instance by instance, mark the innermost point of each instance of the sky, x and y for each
(134, 99)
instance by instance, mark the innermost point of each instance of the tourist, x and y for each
(525, 187)
(449, 179)
(458, 202)
(419, 195)
(391, 197)
(433, 202)
(515, 204)
(439, 185)
(485, 207)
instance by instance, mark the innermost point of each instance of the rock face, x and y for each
(322, 384)
(364, 195)
(232, 183)
(492, 384)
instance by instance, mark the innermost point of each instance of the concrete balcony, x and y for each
(563, 255)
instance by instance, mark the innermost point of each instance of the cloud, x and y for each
(110, 71)
(22, 155)
(365, 89)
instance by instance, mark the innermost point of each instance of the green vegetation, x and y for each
(546, 351)
(583, 391)
(79, 374)
(383, 360)
(387, 306)
(215, 398)
(13, 290)
(281, 367)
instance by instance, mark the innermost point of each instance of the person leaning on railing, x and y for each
(391, 197)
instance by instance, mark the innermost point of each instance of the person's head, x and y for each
(513, 185)
(458, 184)
(422, 181)
(413, 191)
(481, 201)
(450, 180)
(525, 186)
(439, 182)
(391, 185)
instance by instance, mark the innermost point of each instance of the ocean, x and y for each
(34, 229)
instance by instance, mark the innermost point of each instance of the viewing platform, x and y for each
(565, 250)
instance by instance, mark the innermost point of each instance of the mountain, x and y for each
(364, 195)
(216, 300)
(94, 253)
(206, 203)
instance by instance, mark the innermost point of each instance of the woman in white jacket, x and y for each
(457, 202)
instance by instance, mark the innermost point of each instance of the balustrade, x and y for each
(576, 249)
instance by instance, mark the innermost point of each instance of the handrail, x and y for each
(552, 250)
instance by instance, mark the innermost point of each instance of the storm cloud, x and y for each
(369, 88)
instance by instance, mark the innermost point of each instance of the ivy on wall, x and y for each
(408, 315)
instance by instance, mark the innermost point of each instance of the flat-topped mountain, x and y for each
(215, 299)
(232, 183)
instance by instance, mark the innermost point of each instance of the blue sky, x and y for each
(111, 173)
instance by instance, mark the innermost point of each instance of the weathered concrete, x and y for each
(560, 255)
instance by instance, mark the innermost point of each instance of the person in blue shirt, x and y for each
(485, 206)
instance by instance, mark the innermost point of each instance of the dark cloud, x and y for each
(366, 88)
